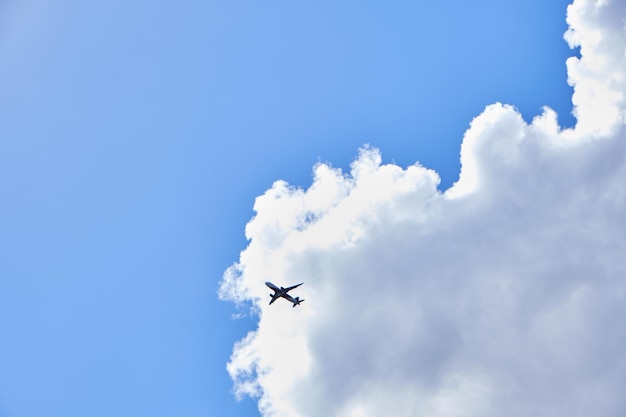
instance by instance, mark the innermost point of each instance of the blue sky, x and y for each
(135, 136)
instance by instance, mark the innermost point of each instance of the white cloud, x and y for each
(598, 78)
(504, 296)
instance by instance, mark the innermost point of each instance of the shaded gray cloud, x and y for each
(501, 296)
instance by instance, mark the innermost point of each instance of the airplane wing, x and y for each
(295, 286)
(273, 299)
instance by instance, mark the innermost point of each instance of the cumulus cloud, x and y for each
(502, 296)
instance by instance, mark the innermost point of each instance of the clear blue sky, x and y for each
(135, 135)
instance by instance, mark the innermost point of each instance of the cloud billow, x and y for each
(503, 296)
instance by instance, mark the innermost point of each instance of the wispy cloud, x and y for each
(504, 295)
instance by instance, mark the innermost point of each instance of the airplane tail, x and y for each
(297, 302)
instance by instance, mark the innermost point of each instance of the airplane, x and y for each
(282, 292)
